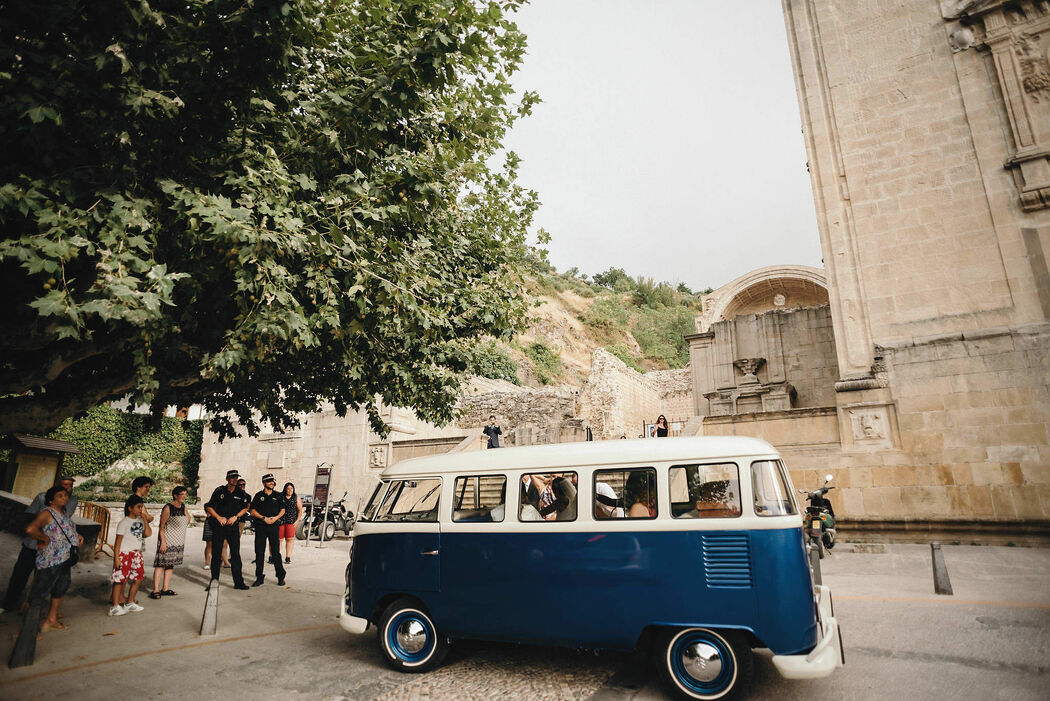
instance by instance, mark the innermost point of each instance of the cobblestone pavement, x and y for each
(495, 671)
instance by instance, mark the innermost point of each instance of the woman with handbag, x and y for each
(57, 552)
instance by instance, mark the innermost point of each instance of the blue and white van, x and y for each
(691, 547)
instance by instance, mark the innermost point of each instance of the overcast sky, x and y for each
(668, 142)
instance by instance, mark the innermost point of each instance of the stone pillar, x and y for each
(838, 238)
(701, 360)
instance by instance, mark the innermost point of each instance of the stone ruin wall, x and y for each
(617, 400)
(526, 416)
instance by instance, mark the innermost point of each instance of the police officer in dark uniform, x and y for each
(227, 504)
(268, 508)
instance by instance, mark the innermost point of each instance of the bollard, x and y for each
(210, 620)
(941, 583)
(24, 651)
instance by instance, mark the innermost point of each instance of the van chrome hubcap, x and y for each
(411, 636)
(702, 662)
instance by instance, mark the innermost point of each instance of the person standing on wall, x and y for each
(268, 509)
(226, 506)
(493, 432)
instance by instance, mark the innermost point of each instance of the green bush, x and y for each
(546, 362)
(648, 293)
(607, 312)
(614, 279)
(624, 353)
(661, 334)
(493, 361)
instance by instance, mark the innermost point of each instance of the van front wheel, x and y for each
(698, 663)
(408, 638)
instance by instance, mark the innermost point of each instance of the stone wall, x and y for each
(796, 347)
(347, 443)
(525, 416)
(927, 134)
(617, 400)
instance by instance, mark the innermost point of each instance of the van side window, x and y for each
(479, 499)
(772, 497)
(548, 496)
(410, 500)
(705, 491)
(627, 493)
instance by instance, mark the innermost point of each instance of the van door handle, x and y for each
(429, 552)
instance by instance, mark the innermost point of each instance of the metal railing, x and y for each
(100, 515)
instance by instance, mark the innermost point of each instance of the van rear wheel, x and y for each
(699, 663)
(408, 638)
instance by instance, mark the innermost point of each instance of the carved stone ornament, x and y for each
(1016, 35)
(749, 366)
(871, 427)
(779, 300)
(377, 457)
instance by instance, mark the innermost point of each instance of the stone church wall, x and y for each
(927, 129)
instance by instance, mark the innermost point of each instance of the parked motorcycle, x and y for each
(820, 519)
(322, 525)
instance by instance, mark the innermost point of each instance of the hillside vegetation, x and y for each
(637, 319)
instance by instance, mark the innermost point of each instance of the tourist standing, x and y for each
(128, 562)
(171, 542)
(268, 508)
(661, 426)
(25, 564)
(293, 511)
(493, 431)
(226, 506)
(141, 487)
(55, 535)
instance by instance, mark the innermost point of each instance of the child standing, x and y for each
(128, 566)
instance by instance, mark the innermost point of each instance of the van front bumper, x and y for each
(826, 656)
(351, 624)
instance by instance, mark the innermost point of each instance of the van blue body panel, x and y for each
(596, 589)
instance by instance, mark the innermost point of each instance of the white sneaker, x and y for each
(133, 607)
(117, 610)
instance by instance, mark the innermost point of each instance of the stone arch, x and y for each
(763, 290)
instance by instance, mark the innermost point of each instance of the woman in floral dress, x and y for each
(171, 543)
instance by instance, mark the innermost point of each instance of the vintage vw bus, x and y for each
(691, 547)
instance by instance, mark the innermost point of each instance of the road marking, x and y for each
(942, 600)
(190, 646)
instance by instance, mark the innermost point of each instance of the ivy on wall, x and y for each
(105, 435)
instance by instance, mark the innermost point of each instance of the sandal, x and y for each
(169, 592)
(53, 626)
(156, 594)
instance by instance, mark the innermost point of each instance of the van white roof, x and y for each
(564, 455)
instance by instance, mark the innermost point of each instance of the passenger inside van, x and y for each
(606, 503)
(640, 495)
(714, 500)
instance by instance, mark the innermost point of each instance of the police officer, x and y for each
(227, 504)
(267, 508)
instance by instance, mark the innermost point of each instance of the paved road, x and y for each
(988, 641)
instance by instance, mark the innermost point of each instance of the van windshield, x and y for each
(772, 496)
(410, 500)
(373, 503)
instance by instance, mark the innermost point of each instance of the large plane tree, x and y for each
(256, 205)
